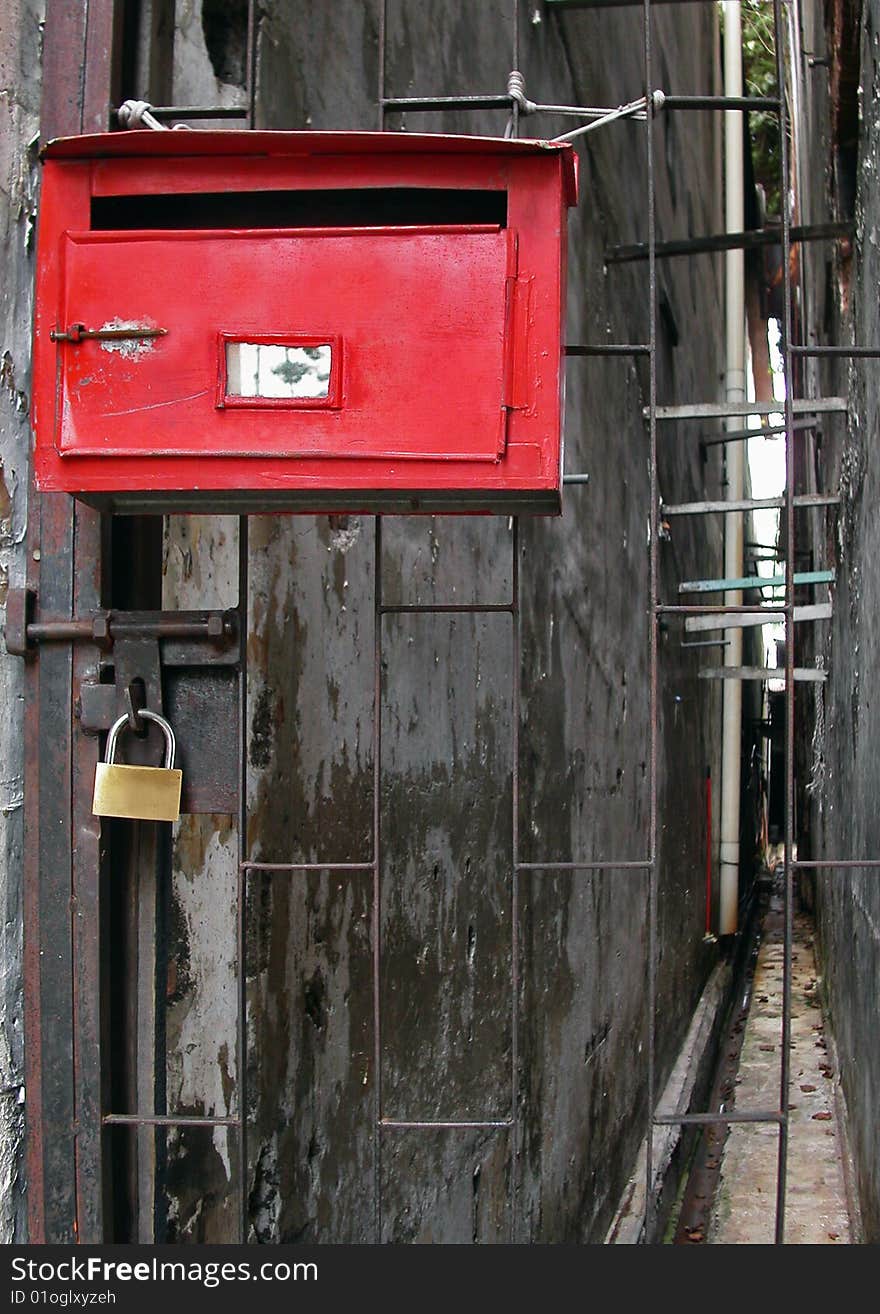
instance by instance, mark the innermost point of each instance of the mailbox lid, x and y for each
(413, 323)
(269, 145)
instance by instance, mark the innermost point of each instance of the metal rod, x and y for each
(375, 920)
(721, 103)
(608, 349)
(725, 609)
(576, 479)
(199, 111)
(765, 431)
(790, 581)
(251, 60)
(755, 581)
(241, 880)
(438, 104)
(687, 246)
(399, 1124)
(444, 608)
(714, 1119)
(653, 638)
(711, 411)
(808, 863)
(516, 660)
(706, 643)
(270, 867)
(811, 612)
(215, 629)
(869, 352)
(164, 1120)
(613, 4)
(634, 864)
(804, 674)
(749, 504)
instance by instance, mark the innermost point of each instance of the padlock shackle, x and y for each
(170, 741)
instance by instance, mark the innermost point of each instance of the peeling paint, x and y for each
(128, 348)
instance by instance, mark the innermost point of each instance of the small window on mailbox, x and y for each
(278, 371)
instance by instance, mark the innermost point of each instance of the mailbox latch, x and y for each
(131, 332)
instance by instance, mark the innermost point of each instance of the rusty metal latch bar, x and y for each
(79, 333)
(103, 628)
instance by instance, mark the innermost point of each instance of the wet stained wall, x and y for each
(838, 812)
(520, 1008)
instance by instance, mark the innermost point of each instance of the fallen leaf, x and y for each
(808, 1089)
(822, 1117)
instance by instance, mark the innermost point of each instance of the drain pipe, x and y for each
(735, 455)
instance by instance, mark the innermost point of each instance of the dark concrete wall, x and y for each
(841, 810)
(318, 1169)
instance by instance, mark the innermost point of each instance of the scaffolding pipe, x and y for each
(734, 391)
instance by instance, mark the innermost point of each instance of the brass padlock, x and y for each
(143, 793)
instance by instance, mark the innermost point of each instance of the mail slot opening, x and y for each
(366, 207)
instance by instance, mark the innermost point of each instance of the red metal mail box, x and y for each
(301, 321)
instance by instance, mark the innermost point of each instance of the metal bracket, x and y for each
(195, 685)
(20, 604)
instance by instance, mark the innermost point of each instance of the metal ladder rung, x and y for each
(744, 241)
(813, 612)
(754, 582)
(804, 674)
(614, 4)
(720, 410)
(749, 504)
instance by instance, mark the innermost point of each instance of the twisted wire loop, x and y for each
(598, 116)
(138, 114)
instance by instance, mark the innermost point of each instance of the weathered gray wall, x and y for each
(447, 724)
(843, 752)
(20, 42)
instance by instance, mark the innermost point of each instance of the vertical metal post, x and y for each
(516, 656)
(653, 614)
(242, 884)
(377, 875)
(786, 327)
(376, 921)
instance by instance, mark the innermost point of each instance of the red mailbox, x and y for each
(255, 321)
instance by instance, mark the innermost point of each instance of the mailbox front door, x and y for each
(309, 343)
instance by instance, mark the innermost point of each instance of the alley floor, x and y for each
(816, 1211)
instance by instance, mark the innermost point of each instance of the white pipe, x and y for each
(734, 390)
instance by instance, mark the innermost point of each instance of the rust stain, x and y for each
(5, 498)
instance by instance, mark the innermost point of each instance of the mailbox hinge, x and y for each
(517, 384)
